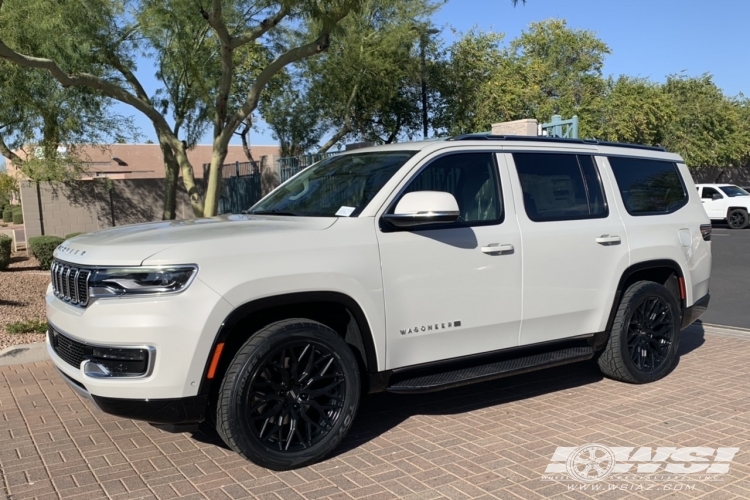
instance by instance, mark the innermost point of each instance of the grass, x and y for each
(31, 326)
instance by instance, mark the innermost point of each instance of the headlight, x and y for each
(138, 281)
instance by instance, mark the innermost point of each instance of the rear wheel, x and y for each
(289, 396)
(642, 345)
(737, 218)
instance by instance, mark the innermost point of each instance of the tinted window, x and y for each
(560, 186)
(709, 193)
(733, 191)
(648, 187)
(471, 178)
(340, 185)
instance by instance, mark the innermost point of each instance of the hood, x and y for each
(131, 245)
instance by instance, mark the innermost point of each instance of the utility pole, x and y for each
(423, 76)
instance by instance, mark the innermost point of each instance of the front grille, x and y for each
(71, 351)
(70, 283)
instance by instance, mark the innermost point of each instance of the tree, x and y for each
(111, 34)
(294, 121)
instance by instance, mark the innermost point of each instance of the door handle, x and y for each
(497, 248)
(608, 239)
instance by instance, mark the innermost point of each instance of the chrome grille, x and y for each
(70, 283)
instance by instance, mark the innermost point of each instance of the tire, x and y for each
(737, 218)
(645, 335)
(289, 396)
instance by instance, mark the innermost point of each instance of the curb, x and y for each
(24, 353)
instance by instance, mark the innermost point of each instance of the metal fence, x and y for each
(241, 186)
(292, 165)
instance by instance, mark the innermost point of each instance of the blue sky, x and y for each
(648, 38)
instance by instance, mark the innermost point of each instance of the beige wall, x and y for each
(84, 206)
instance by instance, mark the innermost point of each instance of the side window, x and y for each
(649, 187)
(560, 186)
(709, 192)
(472, 178)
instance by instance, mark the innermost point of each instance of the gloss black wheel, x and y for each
(737, 218)
(643, 342)
(290, 395)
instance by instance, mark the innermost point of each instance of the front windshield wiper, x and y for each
(272, 212)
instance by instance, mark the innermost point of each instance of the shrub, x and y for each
(17, 218)
(5, 244)
(31, 326)
(7, 215)
(42, 247)
(72, 235)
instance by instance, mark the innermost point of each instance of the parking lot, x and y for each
(730, 297)
(492, 440)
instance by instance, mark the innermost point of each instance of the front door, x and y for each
(714, 203)
(575, 246)
(454, 289)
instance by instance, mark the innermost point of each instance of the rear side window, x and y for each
(709, 192)
(649, 187)
(560, 186)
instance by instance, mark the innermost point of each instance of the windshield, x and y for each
(337, 186)
(733, 191)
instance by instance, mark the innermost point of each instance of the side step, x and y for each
(498, 369)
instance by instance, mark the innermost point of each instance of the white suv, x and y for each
(405, 268)
(726, 202)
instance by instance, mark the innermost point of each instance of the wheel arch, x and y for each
(328, 308)
(666, 272)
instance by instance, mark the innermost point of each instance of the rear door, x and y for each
(575, 246)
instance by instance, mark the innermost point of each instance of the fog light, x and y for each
(121, 362)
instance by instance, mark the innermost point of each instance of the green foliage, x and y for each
(5, 248)
(29, 326)
(42, 247)
(8, 188)
(7, 215)
(72, 235)
(18, 218)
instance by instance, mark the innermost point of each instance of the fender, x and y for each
(364, 342)
(632, 270)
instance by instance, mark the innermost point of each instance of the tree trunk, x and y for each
(213, 190)
(188, 179)
(336, 138)
(171, 171)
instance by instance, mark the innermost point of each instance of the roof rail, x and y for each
(490, 137)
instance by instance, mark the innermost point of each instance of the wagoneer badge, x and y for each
(429, 328)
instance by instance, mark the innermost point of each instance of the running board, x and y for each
(490, 371)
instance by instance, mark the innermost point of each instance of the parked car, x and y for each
(726, 202)
(405, 268)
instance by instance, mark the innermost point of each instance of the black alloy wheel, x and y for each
(645, 335)
(295, 396)
(737, 218)
(650, 334)
(289, 395)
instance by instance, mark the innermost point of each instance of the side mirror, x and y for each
(717, 196)
(424, 207)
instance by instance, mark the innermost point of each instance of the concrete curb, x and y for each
(23, 353)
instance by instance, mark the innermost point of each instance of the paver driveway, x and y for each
(492, 440)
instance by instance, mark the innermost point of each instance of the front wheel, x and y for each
(289, 396)
(642, 345)
(737, 218)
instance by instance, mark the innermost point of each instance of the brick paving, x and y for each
(492, 440)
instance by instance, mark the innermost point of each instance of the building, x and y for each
(145, 161)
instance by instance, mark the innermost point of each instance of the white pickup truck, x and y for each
(726, 202)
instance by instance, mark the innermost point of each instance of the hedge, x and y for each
(5, 245)
(17, 218)
(42, 247)
(7, 215)
(72, 235)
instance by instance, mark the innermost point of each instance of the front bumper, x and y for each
(180, 328)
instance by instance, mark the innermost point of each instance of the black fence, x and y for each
(241, 186)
